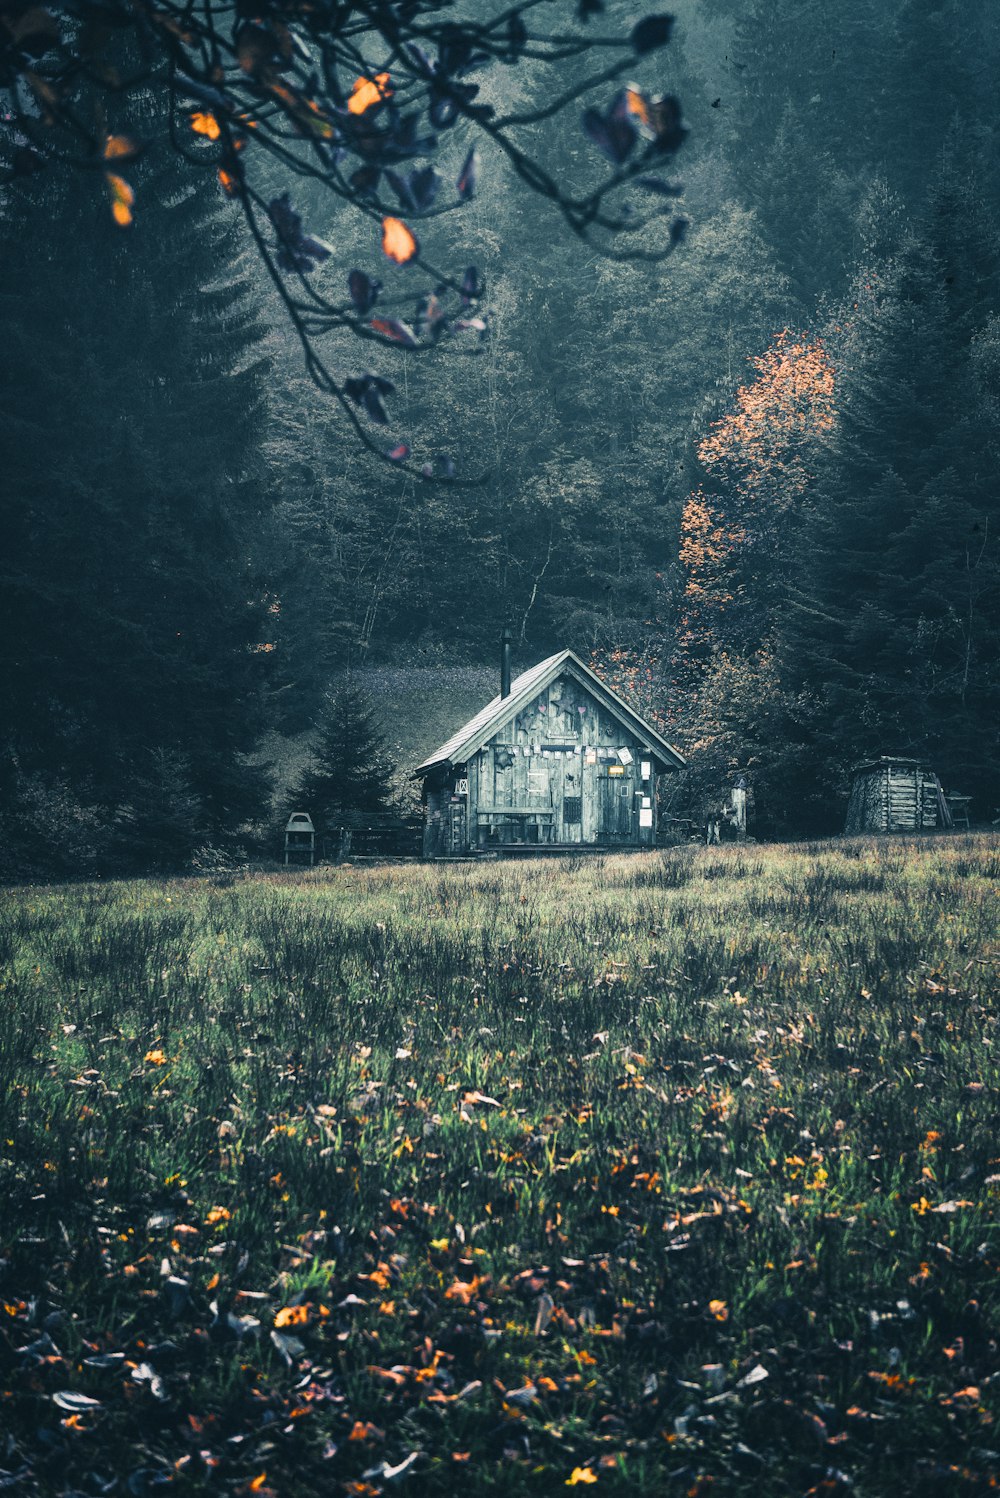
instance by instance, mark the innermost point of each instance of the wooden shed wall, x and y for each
(893, 798)
(554, 775)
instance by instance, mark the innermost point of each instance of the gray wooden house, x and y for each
(556, 760)
(897, 795)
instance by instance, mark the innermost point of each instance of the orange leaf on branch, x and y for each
(118, 147)
(203, 122)
(122, 198)
(399, 243)
(367, 92)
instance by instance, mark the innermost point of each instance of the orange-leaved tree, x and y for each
(736, 526)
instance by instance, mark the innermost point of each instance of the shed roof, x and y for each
(496, 714)
(889, 761)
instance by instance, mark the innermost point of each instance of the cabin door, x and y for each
(615, 805)
(572, 799)
(456, 825)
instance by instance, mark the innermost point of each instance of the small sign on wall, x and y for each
(645, 816)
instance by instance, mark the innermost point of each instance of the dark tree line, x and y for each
(135, 518)
(794, 561)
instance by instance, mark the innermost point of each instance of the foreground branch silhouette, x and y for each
(366, 99)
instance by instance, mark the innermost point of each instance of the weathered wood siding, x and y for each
(893, 798)
(547, 776)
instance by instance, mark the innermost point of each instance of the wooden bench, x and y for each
(493, 821)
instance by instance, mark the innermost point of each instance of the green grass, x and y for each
(674, 1173)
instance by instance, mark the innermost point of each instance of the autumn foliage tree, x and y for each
(737, 526)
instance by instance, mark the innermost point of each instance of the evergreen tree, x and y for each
(894, 624)
(134, 510)
(349, 777)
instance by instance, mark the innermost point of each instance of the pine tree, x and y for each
(893, 628)
(134, 509)
(349, 778)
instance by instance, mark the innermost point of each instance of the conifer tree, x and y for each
(133, 604)
(893, 624)
(349, 778)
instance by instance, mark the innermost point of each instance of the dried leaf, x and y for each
(399, 243)
(366, 93)
(651, 32)
(203, 122)
(77, 1404)
(396, 330)
(469, 176)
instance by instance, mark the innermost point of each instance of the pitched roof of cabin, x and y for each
(496, 714)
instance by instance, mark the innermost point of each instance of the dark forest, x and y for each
(499, 748)
(753, 482)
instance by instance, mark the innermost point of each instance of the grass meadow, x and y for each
(672, 1172)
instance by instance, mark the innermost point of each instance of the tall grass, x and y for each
(677, 1168)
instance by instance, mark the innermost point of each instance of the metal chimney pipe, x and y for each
(505, 644)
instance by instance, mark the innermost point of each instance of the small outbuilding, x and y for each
(557, 761)
(897, 795)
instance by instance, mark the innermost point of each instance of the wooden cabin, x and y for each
(556, 761)
(897, 795)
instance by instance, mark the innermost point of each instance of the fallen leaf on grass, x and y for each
(364, 1430)
(461, 1291)
(521, 1398)
(105, 1360)
(385, 1473)
(546, 1306)
(289, 1348)
(77, 1404)
(292, 1316)
(145, 1373)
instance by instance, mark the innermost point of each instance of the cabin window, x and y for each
(538, 777)
(572, 809)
